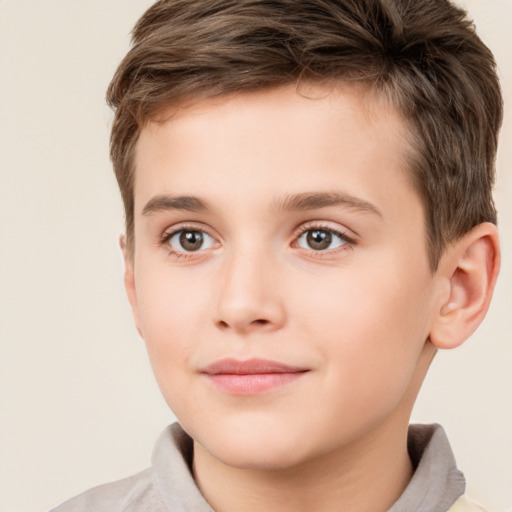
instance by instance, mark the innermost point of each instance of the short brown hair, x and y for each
(423, 55)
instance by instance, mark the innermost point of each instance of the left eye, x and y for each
(190, 240)
(320, 240)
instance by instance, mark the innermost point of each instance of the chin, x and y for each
(252, 455)
(255, 445)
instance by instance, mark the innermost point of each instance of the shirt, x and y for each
(168, 485)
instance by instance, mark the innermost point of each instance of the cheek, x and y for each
(168, 302)
(169, 323)
(370, 329)
(379, 308)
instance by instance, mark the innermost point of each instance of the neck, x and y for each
(339, 480)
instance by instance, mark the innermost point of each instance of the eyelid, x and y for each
(187, 226)
(348, 235)
(171, 231)
(343, 231)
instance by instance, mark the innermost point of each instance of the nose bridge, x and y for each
(249, 295)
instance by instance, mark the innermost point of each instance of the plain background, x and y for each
(78, 404)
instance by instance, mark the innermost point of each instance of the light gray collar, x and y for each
(435, 485)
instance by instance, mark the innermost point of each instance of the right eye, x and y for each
(190, 240)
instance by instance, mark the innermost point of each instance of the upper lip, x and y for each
(249, 367)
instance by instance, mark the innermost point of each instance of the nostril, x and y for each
(222, 324)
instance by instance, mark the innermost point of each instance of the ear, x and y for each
(129, 281)
(467, 270)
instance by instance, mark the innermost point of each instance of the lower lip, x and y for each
(252, 384)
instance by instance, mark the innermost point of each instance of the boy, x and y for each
(307, 189)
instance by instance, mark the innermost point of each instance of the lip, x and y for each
(251, 377)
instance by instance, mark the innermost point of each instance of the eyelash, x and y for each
(349, 241)
(348, 244)
(168, 235)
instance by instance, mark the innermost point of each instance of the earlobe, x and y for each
(129, 282)
(468, 269)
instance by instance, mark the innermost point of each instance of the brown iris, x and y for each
(191, 240)
(318, 239)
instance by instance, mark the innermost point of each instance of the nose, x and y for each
(250, 296)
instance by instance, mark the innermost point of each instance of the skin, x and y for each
(358, 316)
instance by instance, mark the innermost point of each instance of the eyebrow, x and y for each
(318, 200)
(295, 202)
(169, 202)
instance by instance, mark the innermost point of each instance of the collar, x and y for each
(434, 487)
(436, 483)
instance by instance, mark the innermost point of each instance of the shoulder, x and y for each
(136, 492)
(167, 485)
(464, 504)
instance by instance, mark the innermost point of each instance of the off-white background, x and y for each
(78, 405)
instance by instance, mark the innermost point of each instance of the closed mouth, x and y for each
(251, 377)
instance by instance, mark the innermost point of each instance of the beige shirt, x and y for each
(168, 486)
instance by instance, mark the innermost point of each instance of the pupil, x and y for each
(319, 240)
(191, 240)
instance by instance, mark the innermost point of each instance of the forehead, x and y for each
(298, 138)
(334, 101)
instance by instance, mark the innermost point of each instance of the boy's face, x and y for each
(270, 226)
